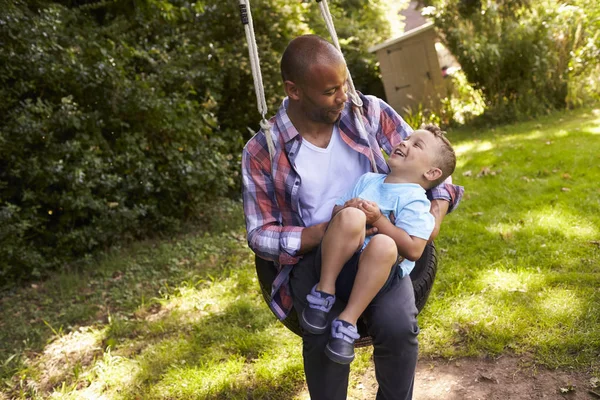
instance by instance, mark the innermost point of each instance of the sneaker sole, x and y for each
(336, 357)
(307, 326)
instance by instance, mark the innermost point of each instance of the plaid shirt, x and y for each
(271, 190)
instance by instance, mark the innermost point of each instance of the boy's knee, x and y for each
(384, 247)
(351, 219)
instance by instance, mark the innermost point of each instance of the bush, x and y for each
(520, 54)
(120, 119)
(102, 138)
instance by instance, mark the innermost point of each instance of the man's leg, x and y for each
(391, 319)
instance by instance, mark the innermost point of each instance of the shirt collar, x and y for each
(285, 126)
(287, 129)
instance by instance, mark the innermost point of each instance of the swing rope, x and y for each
(246, 16)
(354, 97)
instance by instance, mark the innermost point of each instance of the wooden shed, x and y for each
(410, 69)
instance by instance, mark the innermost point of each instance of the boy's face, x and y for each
(415, 156)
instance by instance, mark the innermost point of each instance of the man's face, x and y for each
(414, 156)
(322, 93)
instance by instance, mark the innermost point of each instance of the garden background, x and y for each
(123, 264)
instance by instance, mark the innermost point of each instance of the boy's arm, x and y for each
(409, 247)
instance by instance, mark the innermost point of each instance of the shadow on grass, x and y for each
(554, 322)
(145, 315)
(214, 356)
(121, 283)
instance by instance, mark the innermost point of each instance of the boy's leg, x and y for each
(345, 235)
(374, 267)
(326, 379)
(343, 238)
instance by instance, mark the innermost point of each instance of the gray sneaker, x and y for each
(340, 347)
(314, 316)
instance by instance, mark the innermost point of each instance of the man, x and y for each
(319, 155)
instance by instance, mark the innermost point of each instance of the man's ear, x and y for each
(292, 90)
(433, 174)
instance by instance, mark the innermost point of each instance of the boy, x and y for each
(422, 161)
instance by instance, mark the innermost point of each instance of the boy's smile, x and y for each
(399, 152)
(412, 158)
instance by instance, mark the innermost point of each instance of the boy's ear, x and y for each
(292, 90)
(433, 174)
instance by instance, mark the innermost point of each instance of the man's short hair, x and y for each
(304, 51)
(445, 160)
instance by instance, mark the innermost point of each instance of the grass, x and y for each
(183, 318)
(520, 267)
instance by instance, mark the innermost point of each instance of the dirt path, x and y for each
(507, 378)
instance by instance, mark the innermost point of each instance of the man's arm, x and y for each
(267, 237)
(311, 237)
(439, 209)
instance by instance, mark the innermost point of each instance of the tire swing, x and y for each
(423, 274)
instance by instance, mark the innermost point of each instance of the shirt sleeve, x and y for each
(266, 235)
(389, 127)
(447, 191)
(415, 219)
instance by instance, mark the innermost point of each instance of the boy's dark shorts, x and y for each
(345, 280)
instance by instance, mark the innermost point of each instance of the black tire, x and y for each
(422, 276)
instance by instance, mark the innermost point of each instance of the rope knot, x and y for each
(265, 124)
(355, 98)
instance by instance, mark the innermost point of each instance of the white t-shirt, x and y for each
(325, 175)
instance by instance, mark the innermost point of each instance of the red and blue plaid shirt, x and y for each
(271, 190)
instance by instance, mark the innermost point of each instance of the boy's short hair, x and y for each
(445, 159)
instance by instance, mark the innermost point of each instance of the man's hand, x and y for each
(371, 210)
(312, 236)
(438, 209)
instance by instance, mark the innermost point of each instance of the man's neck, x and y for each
(317, 133)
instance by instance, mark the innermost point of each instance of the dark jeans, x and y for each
(391, 321)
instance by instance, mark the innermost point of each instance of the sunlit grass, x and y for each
(519, 273)
(520, 263)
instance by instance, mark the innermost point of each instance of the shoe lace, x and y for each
(348, 334)
(319, 303)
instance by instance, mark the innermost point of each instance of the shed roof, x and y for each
(404, 36)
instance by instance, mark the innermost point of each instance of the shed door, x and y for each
(411, 73)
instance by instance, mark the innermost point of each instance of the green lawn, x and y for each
(519, 273)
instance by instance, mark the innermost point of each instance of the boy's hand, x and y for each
(371, 210)
(355, 202)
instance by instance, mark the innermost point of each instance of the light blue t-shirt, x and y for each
(408, 201)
